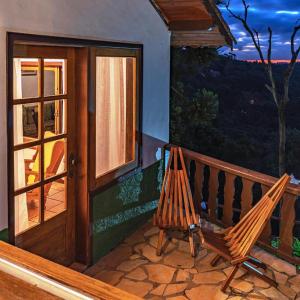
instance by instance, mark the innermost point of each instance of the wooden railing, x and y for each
(224, 192)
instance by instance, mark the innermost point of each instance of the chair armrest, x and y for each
(27, 163)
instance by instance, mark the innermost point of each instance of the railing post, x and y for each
(229, 190)
(287, 222)
(213, 193)
(198, 184)
(246, 196)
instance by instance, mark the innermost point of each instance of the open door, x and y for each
(43, 151)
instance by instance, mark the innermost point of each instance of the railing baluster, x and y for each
(287, 222)
(246, 196)
(198, 184)
(267, 232)
(229, 190)
(213, 192)
(187, 162)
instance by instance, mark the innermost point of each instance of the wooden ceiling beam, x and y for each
(190, 25)
(189, 21)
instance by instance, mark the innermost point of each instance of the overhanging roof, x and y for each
(195, 23)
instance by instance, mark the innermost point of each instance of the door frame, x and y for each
(83, 91)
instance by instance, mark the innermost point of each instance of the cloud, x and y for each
(280, 15)
(287, 12)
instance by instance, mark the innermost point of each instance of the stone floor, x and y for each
(133, 266)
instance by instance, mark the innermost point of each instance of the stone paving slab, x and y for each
(134, 267)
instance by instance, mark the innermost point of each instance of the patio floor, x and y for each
(133, 266)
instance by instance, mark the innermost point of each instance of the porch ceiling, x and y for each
(195, 23)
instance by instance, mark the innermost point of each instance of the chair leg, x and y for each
(161, 236)
(192, 246)
(259, 274)
(256, 262)
(229, 278)
(215, 260)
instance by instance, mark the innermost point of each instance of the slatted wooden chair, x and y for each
(235, 243)
(176, 208)
(53, 155)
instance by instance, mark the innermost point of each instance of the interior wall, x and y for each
(118, 20)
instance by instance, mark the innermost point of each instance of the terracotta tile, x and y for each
(205, 292)
(175, 288)
(179, 259)
(159, 290)
(140, 289)
(160, 273)
(50, 203)
(110, 277)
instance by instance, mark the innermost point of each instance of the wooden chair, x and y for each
(176, 208)
(235, 243)
(54, 153)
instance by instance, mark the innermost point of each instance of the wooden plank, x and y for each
(176, 188)
(246, 196)
(180, 200)
(12, 288)
(171, 198)
(83, 238)
(267, 231)
(63, 275)
(190, 25)
(182, 10)
(287, 222)
(163, 191)
(187, 187)
(185, 199)
(166, 197)
(213, 193)
(229, 190)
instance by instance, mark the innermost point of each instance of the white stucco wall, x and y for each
(114, 20)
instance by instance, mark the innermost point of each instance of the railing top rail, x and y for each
(236, 170)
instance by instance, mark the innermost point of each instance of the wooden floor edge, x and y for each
(63, 275)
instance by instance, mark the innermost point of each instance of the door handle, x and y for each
(71, 165)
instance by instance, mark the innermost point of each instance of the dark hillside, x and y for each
(243, 129)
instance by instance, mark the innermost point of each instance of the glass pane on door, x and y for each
(27, 210)
(26, 167)
(54, 158)
(26, 123)
(55, 197)
(55, 113)
(54, 77)
(26, 73)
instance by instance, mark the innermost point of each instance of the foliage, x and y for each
(296, 247)
(245, 129)
(189, 116)
(275, 242)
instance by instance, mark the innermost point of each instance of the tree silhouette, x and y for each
(279, 95)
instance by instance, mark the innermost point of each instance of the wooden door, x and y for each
(43, 151)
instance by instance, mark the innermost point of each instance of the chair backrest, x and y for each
(241, 238)
(175, 207)
(53, 155)
(56, 157)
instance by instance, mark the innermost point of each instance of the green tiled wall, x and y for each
(120, 209)
(4, 235)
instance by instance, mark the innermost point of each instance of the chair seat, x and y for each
(215, 241)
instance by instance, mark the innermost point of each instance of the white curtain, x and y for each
(21, 213)
(110, 113)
